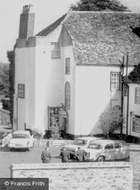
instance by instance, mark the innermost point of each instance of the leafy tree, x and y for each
(11, 58)
(4, 79)
(98, 5)
(110, 121)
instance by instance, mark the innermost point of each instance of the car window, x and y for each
(109, 146)
(80, 142)
(21, 136)
(95, 146)
(117, 145)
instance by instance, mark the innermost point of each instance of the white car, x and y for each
(102, 150)
(21, 140)
(82, 142)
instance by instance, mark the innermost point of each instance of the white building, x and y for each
(132, 103)
(71, 70)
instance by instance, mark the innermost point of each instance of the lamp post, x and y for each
(16, 98)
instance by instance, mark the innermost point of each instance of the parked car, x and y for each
(102, 150)
(21, 140)
(82, 142)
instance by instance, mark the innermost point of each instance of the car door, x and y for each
(109, 151)
(118, 150)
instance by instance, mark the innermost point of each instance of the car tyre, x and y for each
(32, 145)
(101, 159)
(11, 149)
(28, 149)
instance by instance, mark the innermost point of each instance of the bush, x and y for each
(110, 121)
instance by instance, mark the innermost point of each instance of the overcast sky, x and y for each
(46, 11)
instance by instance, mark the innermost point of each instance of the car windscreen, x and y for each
(21, 136)
(80, 142)
(95, 146)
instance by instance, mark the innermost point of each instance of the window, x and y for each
(109, 146)
(95, 146)
(117, 145)
(67, 95)
(55, 50)
(67, 65)
(137, 95)
(115, 81)
(80, 142)
(136, 123)
(21, 91)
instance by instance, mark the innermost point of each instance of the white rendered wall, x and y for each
(48, 83)
(135, 108)
(24, 74)
(68, 53)
(93, 96)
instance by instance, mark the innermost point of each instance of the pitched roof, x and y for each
(51, 27)
(101, 37)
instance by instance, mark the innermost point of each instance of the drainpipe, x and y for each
(17, 111)
(122, 73)
(131, 124)
(127, 113)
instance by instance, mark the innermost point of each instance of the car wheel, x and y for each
(28, 149)
(101, 159)
(32, 145)
(11, 149)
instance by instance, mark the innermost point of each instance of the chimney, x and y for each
(27, 19)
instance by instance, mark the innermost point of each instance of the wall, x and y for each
(79, 176)
(93, 96)
(134, 108)
(68, 53)
(135, 161)
(104, 176)
(24, 74)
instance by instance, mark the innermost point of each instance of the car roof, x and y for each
(105, 141)
(21, 132)
(88, 138)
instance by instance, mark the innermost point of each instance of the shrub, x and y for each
(110, 121)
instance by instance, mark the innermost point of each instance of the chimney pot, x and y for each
(27, 9)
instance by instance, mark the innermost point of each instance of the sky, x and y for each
(46, 12)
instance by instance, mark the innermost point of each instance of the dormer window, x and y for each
(55, 50)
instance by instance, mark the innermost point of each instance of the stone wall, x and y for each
(79, 176)
(135, 161)
(86, 176)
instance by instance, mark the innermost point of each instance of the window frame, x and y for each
(110, 144)
(118, 87)
(138, 96)
(55, 52)
(67, 95)
(117, 143)
(67, 65)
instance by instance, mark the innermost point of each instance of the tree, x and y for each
(4, 79)
(110, 121)
(98, 5)
(11, 58)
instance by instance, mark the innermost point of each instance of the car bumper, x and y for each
(18, 147)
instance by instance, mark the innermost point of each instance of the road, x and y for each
(19, 157)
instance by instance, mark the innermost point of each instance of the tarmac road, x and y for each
(8, 157)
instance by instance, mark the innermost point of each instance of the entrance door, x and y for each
(57, 118)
